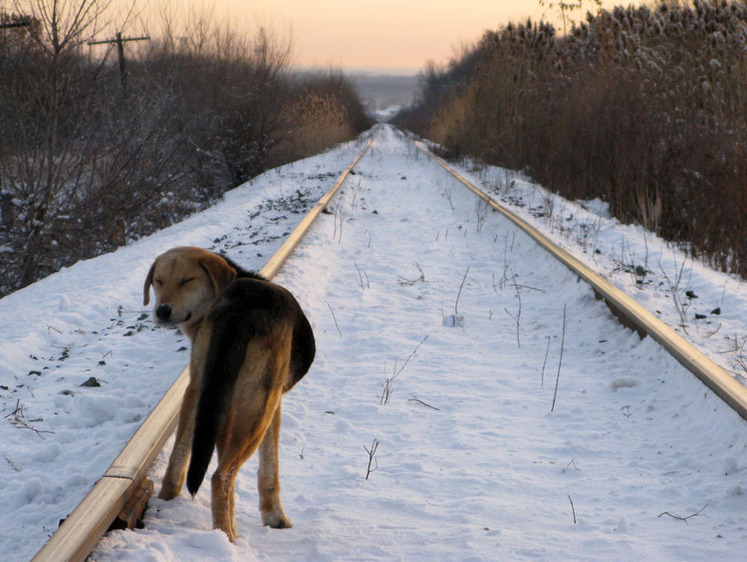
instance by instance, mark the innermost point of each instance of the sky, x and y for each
(378, 34)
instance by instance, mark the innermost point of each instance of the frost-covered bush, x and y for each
(644, 107)
(91, 159)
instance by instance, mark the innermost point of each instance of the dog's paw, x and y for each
(169, 490)
(276, 519)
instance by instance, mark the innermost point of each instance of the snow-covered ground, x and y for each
(408, 280)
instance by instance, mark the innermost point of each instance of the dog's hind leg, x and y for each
(222, 501)
(176, 473)
(268, 480)
(239, 440)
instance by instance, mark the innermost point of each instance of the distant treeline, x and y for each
(645, 108)
(94, 155)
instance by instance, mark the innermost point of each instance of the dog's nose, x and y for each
(163, 312)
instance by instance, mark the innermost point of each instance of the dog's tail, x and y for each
(221, 370)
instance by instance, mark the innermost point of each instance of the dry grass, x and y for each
(643, 107)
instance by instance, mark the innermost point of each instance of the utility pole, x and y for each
(261, 48)
(120, 41)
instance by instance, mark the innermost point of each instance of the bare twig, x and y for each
(403, 281)
(456, 302)
(517, 318)
(674, 289)
(335, 319)
(573, 510)
(713, 332)
(504, 279)
(544, 363)
(338, 218)
(364, 285)
(529, 287)
(414, 351)
(737, 363)
(560, 363)
(372, 462)
(386, 391)
(419, 401)
(447, 194)
(686, 517)
(389, 381)
(12, 464)
(481, 209)
(20, 420)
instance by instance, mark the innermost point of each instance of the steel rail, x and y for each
(627, 310)
(79, 533)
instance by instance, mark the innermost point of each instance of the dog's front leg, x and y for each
(268, 479)
(176, 472)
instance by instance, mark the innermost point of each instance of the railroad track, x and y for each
(121, 493)
(123, 489)
(628, 311)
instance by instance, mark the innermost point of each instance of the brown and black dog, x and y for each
(251, 342)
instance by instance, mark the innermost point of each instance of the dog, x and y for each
(251, 343)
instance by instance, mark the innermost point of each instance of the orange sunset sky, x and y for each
(384, 34)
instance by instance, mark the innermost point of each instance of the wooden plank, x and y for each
(713, 376)
(132, 512)
(79, 533)
(140, 452)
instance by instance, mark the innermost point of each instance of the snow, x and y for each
(472, 463)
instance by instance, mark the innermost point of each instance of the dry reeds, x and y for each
(643, 107)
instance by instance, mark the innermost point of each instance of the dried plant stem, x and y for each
(544, 363)
(389, 381)
(674, 288)
(372, 462)
(686, 517)
(335, 319)
(560, 363)
(456, 302)
(403, 281)
(20, 420)
(417, 400)
(573, 510)
(365, 284)
(517, 318)
(481, 209)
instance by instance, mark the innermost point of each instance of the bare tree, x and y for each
(47, 100)
(86, 166)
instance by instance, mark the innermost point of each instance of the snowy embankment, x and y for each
(473, 461)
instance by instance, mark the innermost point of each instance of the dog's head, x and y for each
(185, 281)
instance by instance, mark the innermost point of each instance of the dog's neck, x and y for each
(191, 329)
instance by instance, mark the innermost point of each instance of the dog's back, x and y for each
(257, 332)
(304, 348)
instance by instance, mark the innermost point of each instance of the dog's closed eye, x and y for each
(185, 281)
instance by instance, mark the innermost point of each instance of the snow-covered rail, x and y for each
(123, 489)
(627, 310)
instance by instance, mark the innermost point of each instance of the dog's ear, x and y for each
(218, 270)
(148, 283)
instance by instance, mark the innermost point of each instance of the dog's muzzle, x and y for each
(165, 316)
(163, 313)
